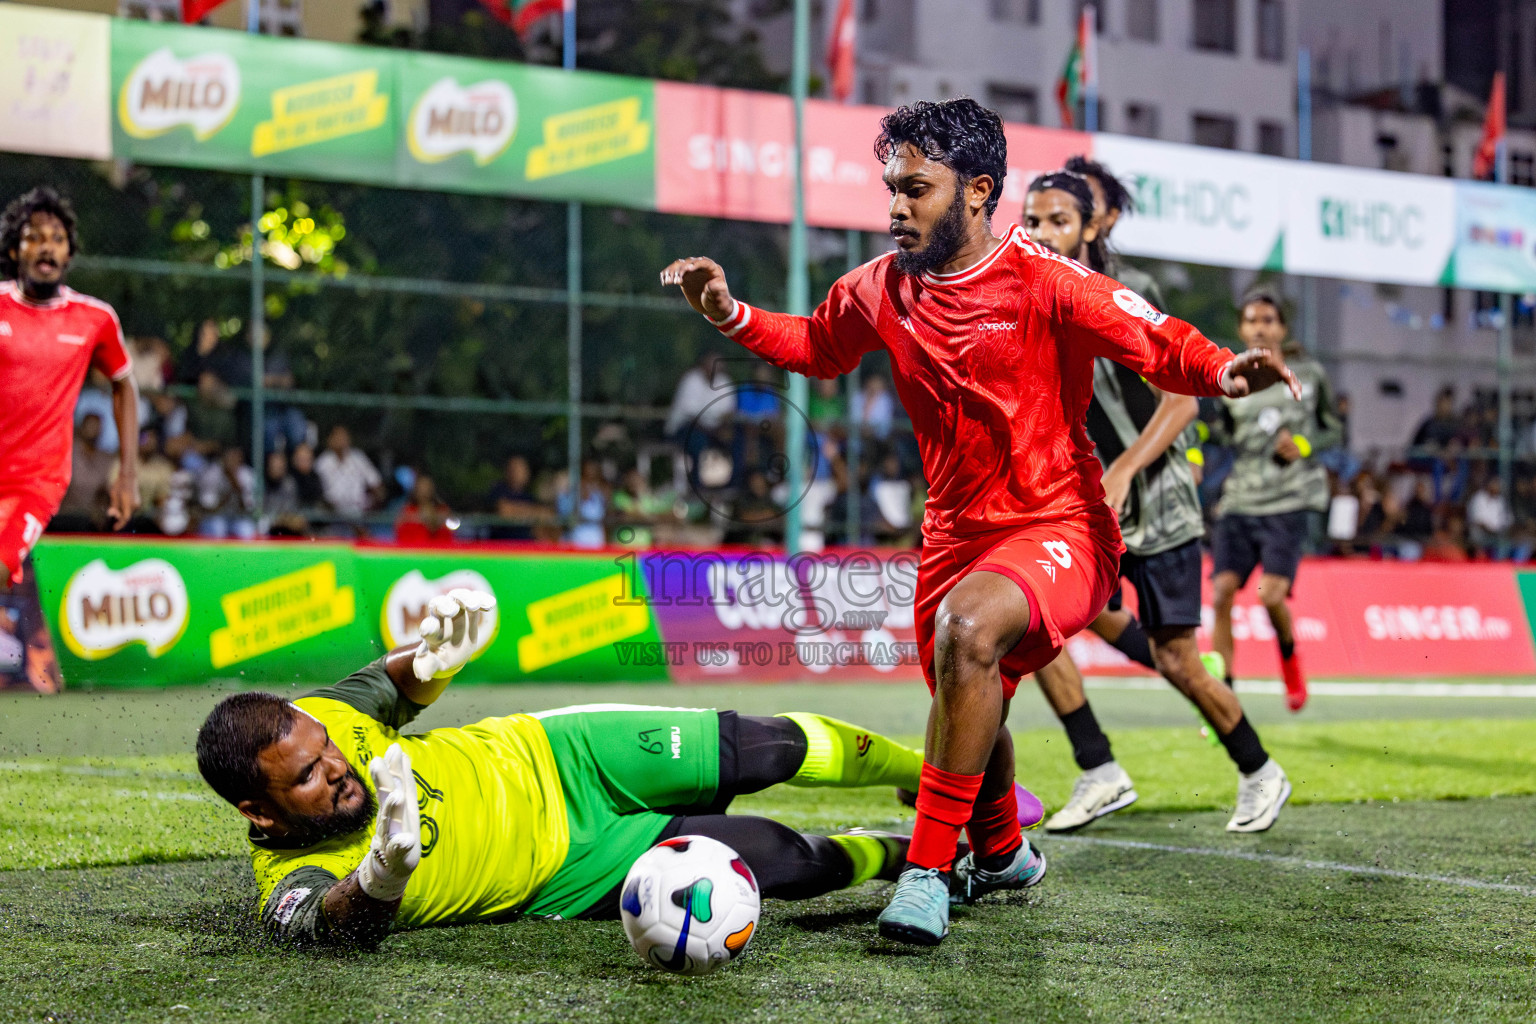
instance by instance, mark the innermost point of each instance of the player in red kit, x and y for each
(991, 341)
(50, 335)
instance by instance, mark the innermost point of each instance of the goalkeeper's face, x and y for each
(312, 792)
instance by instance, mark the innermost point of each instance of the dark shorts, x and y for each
(1167, 586)
(1275, 542)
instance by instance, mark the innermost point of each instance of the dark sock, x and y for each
(1231, 683)
(1287, 648)
(1244, 748)
(1090, 747)
(1133, 643)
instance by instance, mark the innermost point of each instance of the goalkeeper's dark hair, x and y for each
(1076, 186)
(234, 734)
(1116, 195)
(21, 210)
(961, 134)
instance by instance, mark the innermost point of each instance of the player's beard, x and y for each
(943, 242)
(312, 829)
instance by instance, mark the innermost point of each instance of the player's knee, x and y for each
(1272, 593)
(1177, 665)
(961, 639)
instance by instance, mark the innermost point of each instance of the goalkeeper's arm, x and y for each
(450, 632)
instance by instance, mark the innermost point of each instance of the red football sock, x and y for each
(944, 804)
(994, 826)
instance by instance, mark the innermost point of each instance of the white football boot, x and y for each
(1259, 798)
(1097, 792)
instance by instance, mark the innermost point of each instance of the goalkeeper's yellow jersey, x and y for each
(493, 818)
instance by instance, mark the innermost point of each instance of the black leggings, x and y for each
(756, 753)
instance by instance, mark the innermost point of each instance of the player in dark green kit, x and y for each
(1275, 484)
(1140, 434)
(356, 829)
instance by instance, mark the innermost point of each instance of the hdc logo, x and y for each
(1379, 223)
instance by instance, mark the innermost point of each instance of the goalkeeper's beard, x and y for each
(311, 829)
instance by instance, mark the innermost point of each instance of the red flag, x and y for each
(1485, 159)
(528, 13)
(193, 11)
(842, 51)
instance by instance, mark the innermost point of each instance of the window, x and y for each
(1141, 119)
(869, 10)
(1014, 103)
(150, 10)
(1025, 11)
(1271, 26)
(1098, 14)
(1216, 25)
(1271, 138)
(1522, 168)
(1141, 20)
(1215, 130)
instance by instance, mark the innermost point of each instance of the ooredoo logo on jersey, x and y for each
(104, 610)
(164, 92)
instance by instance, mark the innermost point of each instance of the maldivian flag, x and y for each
(1081, 68)
(1485, 159)
(528, 13)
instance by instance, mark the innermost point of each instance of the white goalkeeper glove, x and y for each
(396, 847)
(450, 632)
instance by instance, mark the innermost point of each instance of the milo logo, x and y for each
(449, 118)
(105, 610)
(164, 92)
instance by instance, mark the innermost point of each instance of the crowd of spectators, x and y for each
(712, 470)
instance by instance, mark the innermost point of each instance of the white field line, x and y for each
(92, 770)
(1336, 689)
(1300, 862)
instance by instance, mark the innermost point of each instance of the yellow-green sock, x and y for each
(871, 855)
(839, 754)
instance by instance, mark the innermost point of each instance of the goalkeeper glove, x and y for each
(450, 632)
(396, 847)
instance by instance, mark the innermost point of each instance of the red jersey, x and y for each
(995, 367)
(45, 349)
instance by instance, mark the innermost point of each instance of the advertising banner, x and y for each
(483, 126)
(203, 97)
(1495, 237)
(54, 82)
(1375, 225)
(1223, 208)
(143, 613)
(724, 152)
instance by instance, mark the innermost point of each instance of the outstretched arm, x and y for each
(1172, 415)
(825, 344)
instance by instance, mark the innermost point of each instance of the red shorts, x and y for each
(1067, 569)
(22, 518)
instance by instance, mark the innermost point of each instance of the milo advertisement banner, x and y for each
(202, 97)
(479, 126)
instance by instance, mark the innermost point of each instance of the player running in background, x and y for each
(1275, 483)
(50, 335)
(991, 340)
(1137, 431)
(356, 829)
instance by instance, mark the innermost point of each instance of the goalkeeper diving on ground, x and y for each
(356, 829)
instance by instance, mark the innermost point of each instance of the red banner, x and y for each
(729, 153)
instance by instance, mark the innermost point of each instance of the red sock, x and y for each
(944, 804)
(994, 826)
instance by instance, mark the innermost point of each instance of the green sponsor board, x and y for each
(202, 97)
(478, 126)
(134, 613)
(557, 616)
(137, 613)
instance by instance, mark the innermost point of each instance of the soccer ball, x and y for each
(690, 905)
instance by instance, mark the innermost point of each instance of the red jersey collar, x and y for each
(962, 276)
(13, 289)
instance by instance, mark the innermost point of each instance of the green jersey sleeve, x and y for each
(295, 912)
(370, 691)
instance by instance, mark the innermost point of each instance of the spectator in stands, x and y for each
(874, 407)
(348, 479)
(512, 498)
(1488, 516)
(891, 492)
(1439, 429)
(84, 507)
(755, 517)
(151, 365)
(425, 519)
(154, 476)
(760, 420)
(301, 466)
(1419, 513)
(827, 404)
(208, 366)
(636, 509)
(96, 400)
(284, 426)
(588, 513)
(226, 494)
(282, 503)
(702, 405)
(175, 514)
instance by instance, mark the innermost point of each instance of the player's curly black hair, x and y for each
(235, 733)
(21, 210)
(1116, 195)
(961, 134)
(1076, 186)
